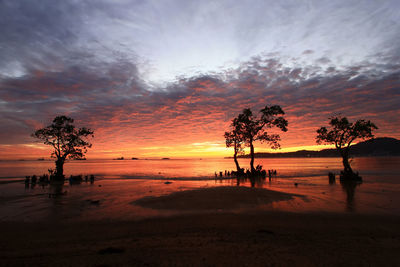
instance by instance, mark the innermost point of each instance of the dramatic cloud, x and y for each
(154, 77)
(127, 116)
(185, 37)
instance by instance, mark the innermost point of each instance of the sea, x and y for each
(119, 182)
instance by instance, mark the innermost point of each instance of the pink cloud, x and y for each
(125, 115)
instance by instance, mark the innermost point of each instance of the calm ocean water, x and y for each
(119, 182)
(203, 168)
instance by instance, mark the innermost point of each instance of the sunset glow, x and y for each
(165, 80)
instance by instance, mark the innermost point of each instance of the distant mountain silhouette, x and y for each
(378, 147)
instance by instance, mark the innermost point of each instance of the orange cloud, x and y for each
(188, 118)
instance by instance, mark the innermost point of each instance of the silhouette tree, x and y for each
(342, 134)
(67, 141)
(251, 129)
(232, 139)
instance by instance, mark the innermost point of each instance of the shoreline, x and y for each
(7, 181)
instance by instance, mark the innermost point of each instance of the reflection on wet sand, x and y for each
(113, 198)
(349, 187)
(56, 190)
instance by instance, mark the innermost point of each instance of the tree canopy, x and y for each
(66, 140)
(250, 128)
(342, 134)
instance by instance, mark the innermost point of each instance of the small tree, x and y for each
(251, 128)
(232, 139)
(67, 141)
(342, 134)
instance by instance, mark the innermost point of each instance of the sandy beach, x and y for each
(214, 236)
(220, 198)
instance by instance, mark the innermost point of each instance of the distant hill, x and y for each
(378, 147)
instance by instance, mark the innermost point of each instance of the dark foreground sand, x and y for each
(212, 238)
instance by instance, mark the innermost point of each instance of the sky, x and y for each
(165, 78)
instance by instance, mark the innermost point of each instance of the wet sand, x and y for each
(215, 198)
(213, 237)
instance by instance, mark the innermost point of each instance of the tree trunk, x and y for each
(253, 170)
(235, 157)
(236, 162)
(59, 173)
(346, 164)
